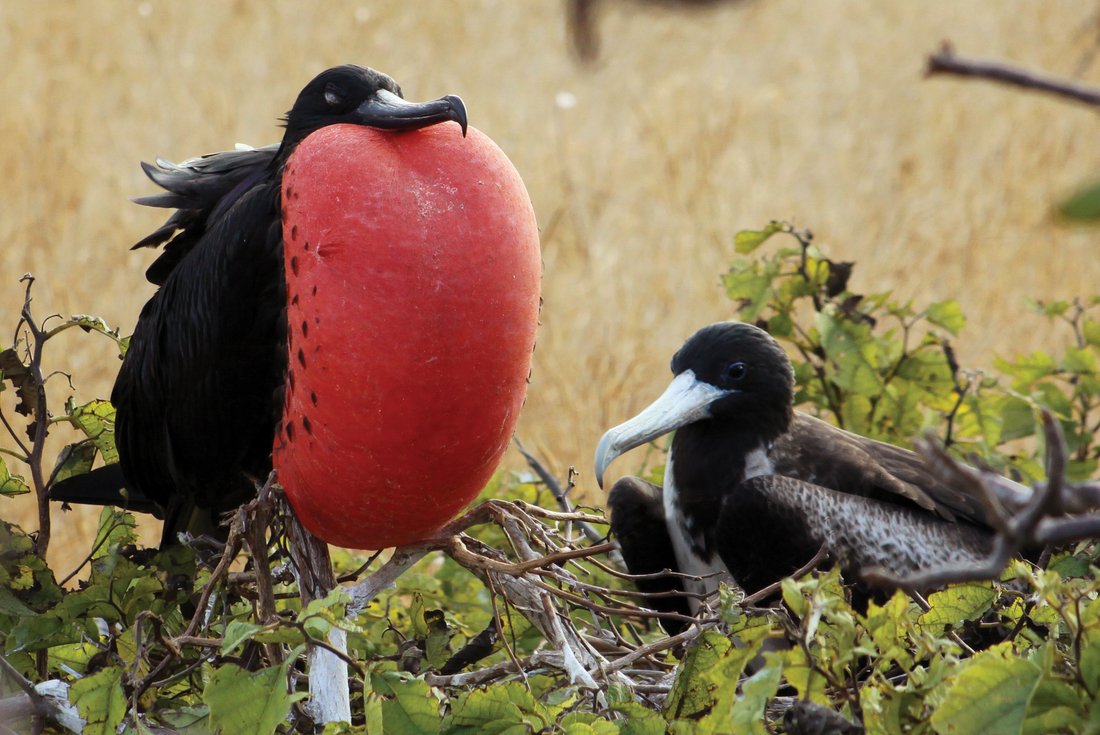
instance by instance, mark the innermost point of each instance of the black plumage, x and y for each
(754, 488)
(199, 395)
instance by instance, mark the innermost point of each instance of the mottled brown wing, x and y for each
(818, 452)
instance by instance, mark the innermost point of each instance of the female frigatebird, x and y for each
(359, 298)
(754, 489)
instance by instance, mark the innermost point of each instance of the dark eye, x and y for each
(333, 94)
(736, 371)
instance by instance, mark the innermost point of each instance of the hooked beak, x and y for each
(388, 111)
(686, 400)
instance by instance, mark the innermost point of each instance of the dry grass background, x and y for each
(691, 127)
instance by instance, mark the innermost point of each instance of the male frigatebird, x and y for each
(754, 489)
(357, 299)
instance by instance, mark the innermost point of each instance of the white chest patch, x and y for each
(757, 463)
(689, 562)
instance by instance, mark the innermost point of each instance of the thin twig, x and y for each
(554, 487)
(20, 681)
(232, 546)
(946, 62)
(500, 632)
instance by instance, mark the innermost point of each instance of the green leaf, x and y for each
(416, 616)
(247, 703)
(236, 633)
(990, 695)
(728, 608)
(850, 367)
(100, 700)
(1090, 660)
(1018, 419)
(639, 720)
(1046, 308)
(752, 288)
(747, 715)
(1091, 331)
(11, 485)
(408, 706)
(748, 240)
(948, 315)
(95, 324)
(1079, 361)
(496, 709)
(957, 604)
(1026, 369)
(1054, 707)
(116, 529)
(74, 459)
(690, 693)
(11, 605)
(1082, 206)
(188, 720)
(42, 631)
(1069, 565)
(97, 420)
(781, 325)
(437, 646)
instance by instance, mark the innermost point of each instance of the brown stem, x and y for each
(41, 423)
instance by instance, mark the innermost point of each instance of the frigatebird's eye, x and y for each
(736, 371)
(333, 94)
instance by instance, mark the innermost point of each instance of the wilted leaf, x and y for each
(437, 645)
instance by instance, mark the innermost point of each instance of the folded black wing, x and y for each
(817, 452)
(200, 390)
(201, 190)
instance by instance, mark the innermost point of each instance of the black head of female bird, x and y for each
(730, 373)
(360, 96)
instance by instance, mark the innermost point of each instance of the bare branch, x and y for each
(554, 487)
(946, 62)
(1017, 529)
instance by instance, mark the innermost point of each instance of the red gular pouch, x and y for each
(413, 275)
